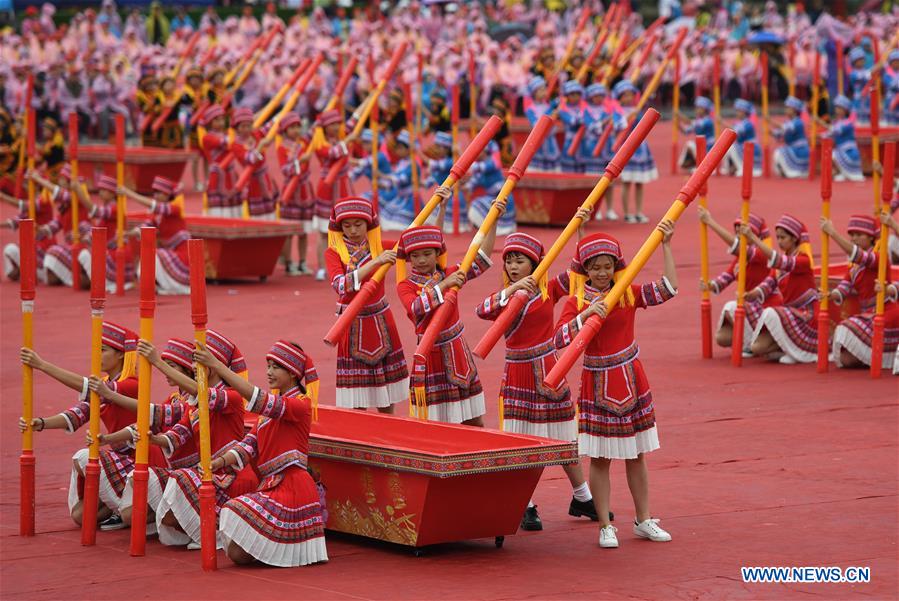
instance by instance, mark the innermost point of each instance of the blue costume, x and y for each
(641, 169)
(548, 155)
(700, 126)
(363, 169)
(858, 79)
(792, 158)
(846, 158)
(486, 174)
(572, 117)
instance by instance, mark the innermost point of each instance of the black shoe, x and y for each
(531, 521)
(583, 508)
(113, 522)
(586, 509)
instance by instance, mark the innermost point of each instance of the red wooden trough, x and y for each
(419, 483)
(550, 198)
(237, 248)
(142, 164)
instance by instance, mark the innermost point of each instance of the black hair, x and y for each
(515, 253)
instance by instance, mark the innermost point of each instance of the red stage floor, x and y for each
(767, 465)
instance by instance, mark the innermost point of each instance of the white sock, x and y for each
(582, 493)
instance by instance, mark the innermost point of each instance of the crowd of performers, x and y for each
(270, 506)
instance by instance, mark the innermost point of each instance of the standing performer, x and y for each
(788, 332)
(119, 363)
(847, 161)
(371, 367)
(641, 169)
(221, 198)
(732, 164)
(487, 174)
(572, 114)
(301, 205)
(452, 388)
(280, 523)
(595, 118)
(701, 125)
(791, 160)
(617, 419)
(858, 80)
(439, 165)
(528, 406)
(178, 513)
(330, 151)
(172, 270)
(396, 209)
(536, 104)
(248, 148)
(104, 215)
(853, 336)
(757, 270)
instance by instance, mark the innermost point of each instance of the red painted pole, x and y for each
(92, 470)
(736, 348)
(144, 379)
(199, 317)
(705, 302)
(27, 277)
(823, 306)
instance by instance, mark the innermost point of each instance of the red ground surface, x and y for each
(762, 465)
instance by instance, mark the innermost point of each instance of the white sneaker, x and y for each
(747, 354)
(787, 360)
(192, 546)
(611, 215)
(630, 219)
(641, 218)
(598, 215)
(320, 275)
(607, 537)
(650, 529)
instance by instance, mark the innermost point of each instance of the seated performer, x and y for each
(104, 215)
(745, 130)
(852, 338)
(178, 512)
(791, 159)
(43, 213)
(788, 332)
(701, 125)
(617, 418)
(757, 270)
(58, 258)
(279, 523)
(167, 216)
(847, 164)
(449, 389)
(118, 361)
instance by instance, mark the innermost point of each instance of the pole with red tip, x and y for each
(705, 303)
(27, 276)
(98, 304)
(823, 305)
(144, 378)
(682, 200)
(30, 117)
(120, 205)
(199, 317)
(513, 308)
(75, 202)
(736, 349)
(883, 260)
